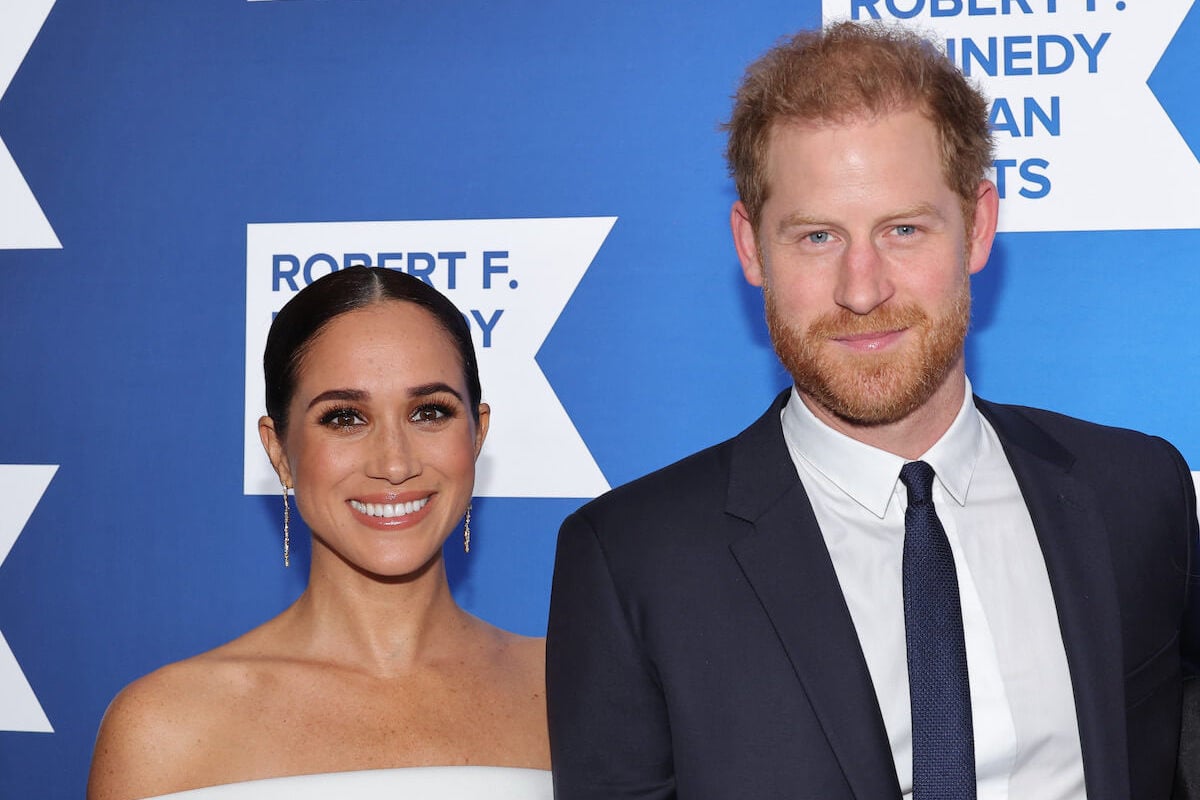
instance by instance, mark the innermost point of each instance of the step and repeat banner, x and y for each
(172, 173)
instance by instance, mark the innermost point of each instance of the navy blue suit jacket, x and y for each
(699, 645)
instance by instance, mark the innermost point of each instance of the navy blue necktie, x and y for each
(943, 742)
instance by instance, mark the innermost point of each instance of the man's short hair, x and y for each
(851, 71)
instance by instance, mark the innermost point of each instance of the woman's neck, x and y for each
(378, 625)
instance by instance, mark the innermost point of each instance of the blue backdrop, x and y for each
(153, 134)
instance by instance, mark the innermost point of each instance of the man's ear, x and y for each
(746, 244)
(983, 230)
(272, 443)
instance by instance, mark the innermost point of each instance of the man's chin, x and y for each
(878, 417)
(866, 391)
(866, 411)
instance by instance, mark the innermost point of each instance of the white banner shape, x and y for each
(21, 488)
(22, 223)
(511, 278)
(1081, 141)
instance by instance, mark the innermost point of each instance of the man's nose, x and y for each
(864, 283)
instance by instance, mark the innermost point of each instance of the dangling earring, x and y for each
(467, 531)
(287, 537)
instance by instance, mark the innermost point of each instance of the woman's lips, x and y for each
(391, 512)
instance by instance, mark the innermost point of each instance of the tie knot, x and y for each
(917, 477)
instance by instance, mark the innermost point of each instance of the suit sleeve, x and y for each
(1187, 774)
(1190, 633)
(609, 733)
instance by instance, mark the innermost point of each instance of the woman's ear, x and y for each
(481, 429)
(273, 444)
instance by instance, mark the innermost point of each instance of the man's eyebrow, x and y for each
(919, 210)
(796, 220)
(353, 395)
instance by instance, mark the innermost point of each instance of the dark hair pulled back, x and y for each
(306, 315)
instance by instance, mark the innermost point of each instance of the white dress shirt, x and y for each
(1026, 732)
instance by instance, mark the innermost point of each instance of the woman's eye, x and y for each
(430, 413)
(342, 418)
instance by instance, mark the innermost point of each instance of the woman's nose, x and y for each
(392, 455)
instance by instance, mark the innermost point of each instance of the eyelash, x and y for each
(912, 231)
(329, 417)
(440, 410)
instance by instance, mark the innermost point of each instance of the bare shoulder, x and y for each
(517, 670)
(510, 699)
(148, 740)
(529, 652)
(527, 657)
(142, 730)
(520, 654)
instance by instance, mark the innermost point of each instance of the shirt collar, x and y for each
(869, 475)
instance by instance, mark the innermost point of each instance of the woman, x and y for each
(374, 419)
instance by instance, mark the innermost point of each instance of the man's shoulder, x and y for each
(697, 483)
(693, 479)
(1082, 442)
(1053, 423)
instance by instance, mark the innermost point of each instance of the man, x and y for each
(884, 587)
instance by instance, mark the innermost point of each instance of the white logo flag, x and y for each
(22, 223)
(1081, 141)
(21, 488)
(511, 278)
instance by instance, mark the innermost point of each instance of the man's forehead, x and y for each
(849, 117)
(810, 161)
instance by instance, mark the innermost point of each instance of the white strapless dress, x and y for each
(409, 783)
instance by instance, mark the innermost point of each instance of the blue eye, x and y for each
(906, 230)
(818, 237)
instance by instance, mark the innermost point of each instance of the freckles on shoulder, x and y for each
(532, 653)
(514, 666)
(150, 739)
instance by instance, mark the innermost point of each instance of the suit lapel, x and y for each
(788, 566)
(1075, 546)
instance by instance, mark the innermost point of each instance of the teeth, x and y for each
(389, 510)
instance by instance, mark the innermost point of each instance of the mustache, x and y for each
(843, 322)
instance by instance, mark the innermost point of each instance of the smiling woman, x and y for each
(374, 419)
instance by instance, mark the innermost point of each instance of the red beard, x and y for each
(871, 388)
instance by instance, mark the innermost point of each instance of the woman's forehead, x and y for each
(387, 339)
